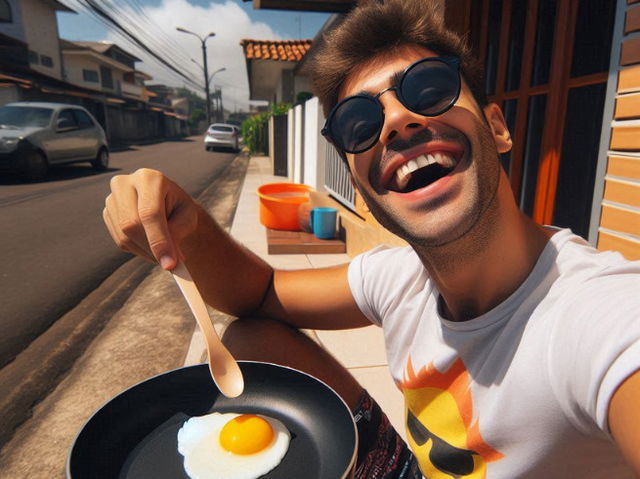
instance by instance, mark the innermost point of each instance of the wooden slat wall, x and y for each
(620, 215)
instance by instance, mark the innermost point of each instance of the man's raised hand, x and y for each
(148, 214)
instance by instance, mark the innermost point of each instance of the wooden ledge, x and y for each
(300, 242)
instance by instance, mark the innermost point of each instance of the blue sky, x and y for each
(231, 20)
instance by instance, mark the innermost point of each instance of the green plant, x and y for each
(303, 96)
(254, 129)
(196, 117)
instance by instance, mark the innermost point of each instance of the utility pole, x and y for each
(204, 62)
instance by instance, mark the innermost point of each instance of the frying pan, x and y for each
(134, 435)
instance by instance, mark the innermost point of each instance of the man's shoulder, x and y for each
(388, 264)
(589, 280)
(576, 259)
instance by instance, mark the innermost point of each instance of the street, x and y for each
(55, 249)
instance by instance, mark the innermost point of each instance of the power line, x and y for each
(109, 18)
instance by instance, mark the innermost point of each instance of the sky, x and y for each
(230, 20)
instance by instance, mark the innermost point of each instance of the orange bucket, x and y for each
(279, 204)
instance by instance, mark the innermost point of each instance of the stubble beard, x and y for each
(474, 228)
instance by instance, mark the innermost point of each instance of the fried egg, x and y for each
(232, 446)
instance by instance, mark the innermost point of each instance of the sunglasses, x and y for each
(428, 87)
(444, 457)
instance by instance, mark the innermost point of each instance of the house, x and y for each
(34, 23)
(271, 69)
(36, 65)
(567, 76)
(104, 67)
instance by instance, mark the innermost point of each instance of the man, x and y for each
(516, 347)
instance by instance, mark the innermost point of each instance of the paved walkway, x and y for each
(149, 335)
(360, 350)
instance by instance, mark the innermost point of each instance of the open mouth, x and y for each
(422, 171)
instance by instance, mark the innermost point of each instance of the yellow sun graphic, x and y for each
(440, 427)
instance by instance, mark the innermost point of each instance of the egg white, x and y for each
(205, 458)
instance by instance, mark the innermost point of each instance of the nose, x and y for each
(399, 122)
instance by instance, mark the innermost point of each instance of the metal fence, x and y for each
(337, 180)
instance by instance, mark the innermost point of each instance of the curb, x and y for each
(40, 367)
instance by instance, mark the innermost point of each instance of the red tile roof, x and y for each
(283, 50)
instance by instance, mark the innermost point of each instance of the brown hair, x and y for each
(380, 26)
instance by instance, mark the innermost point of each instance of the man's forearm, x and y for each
(229, 276)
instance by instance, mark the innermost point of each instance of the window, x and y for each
(107, 79)
(46, 61)
(90, 76)
(5, 12)
(83, 120)
(33, 57)
(547, 64)
(66, 119)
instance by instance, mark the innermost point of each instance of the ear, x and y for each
(498, 125)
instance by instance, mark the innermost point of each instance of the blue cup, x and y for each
(323, 222)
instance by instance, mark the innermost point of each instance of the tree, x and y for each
(196, 116)
(195, 101)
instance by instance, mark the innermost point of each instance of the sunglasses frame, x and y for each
(451, 61)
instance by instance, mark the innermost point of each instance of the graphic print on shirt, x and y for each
(440, 426)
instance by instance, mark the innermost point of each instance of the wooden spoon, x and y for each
(223, 367)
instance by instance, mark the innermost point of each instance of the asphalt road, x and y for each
(54, 248)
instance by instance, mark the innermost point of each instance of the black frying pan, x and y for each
(134, 435)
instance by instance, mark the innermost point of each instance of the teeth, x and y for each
(445, 160)
(421, 161)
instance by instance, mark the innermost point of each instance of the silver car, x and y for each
(35, 135)
(222, 135)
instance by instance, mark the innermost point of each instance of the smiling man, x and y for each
(516, 346)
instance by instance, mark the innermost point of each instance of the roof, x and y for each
(99, 47)
(44, 104)
(330, 6)
(59, 6)
(280, 50)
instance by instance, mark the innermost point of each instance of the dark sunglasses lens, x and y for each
(356, 124)
(430, 87)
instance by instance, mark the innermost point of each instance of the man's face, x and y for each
(438, 203)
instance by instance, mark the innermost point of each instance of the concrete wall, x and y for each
(74, 64)
(9, 95)
(314, 145)
(41, 34)
(290, 142)
(298, 151)
(73, 68)
(301, 84)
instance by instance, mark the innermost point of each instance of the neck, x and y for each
(480, 270)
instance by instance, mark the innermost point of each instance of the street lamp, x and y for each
(217, 71)
(204, 61)
(219, 110)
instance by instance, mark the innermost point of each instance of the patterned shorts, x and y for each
(382, 453)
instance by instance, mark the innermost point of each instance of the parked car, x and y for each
(222, 135)
(35, 135)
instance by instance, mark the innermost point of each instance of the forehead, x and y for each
(376, 73)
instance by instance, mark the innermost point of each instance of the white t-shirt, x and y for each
(523, 390)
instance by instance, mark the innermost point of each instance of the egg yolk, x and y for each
(246, 434)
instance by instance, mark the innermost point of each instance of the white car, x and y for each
(35, 135)
(222, 135)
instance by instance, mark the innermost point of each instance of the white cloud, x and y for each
(230, 24)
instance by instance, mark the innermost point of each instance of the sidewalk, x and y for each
(154, 332)
(360, 350)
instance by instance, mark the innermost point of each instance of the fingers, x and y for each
(121, 240)
(153, 214)
(146, 214)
